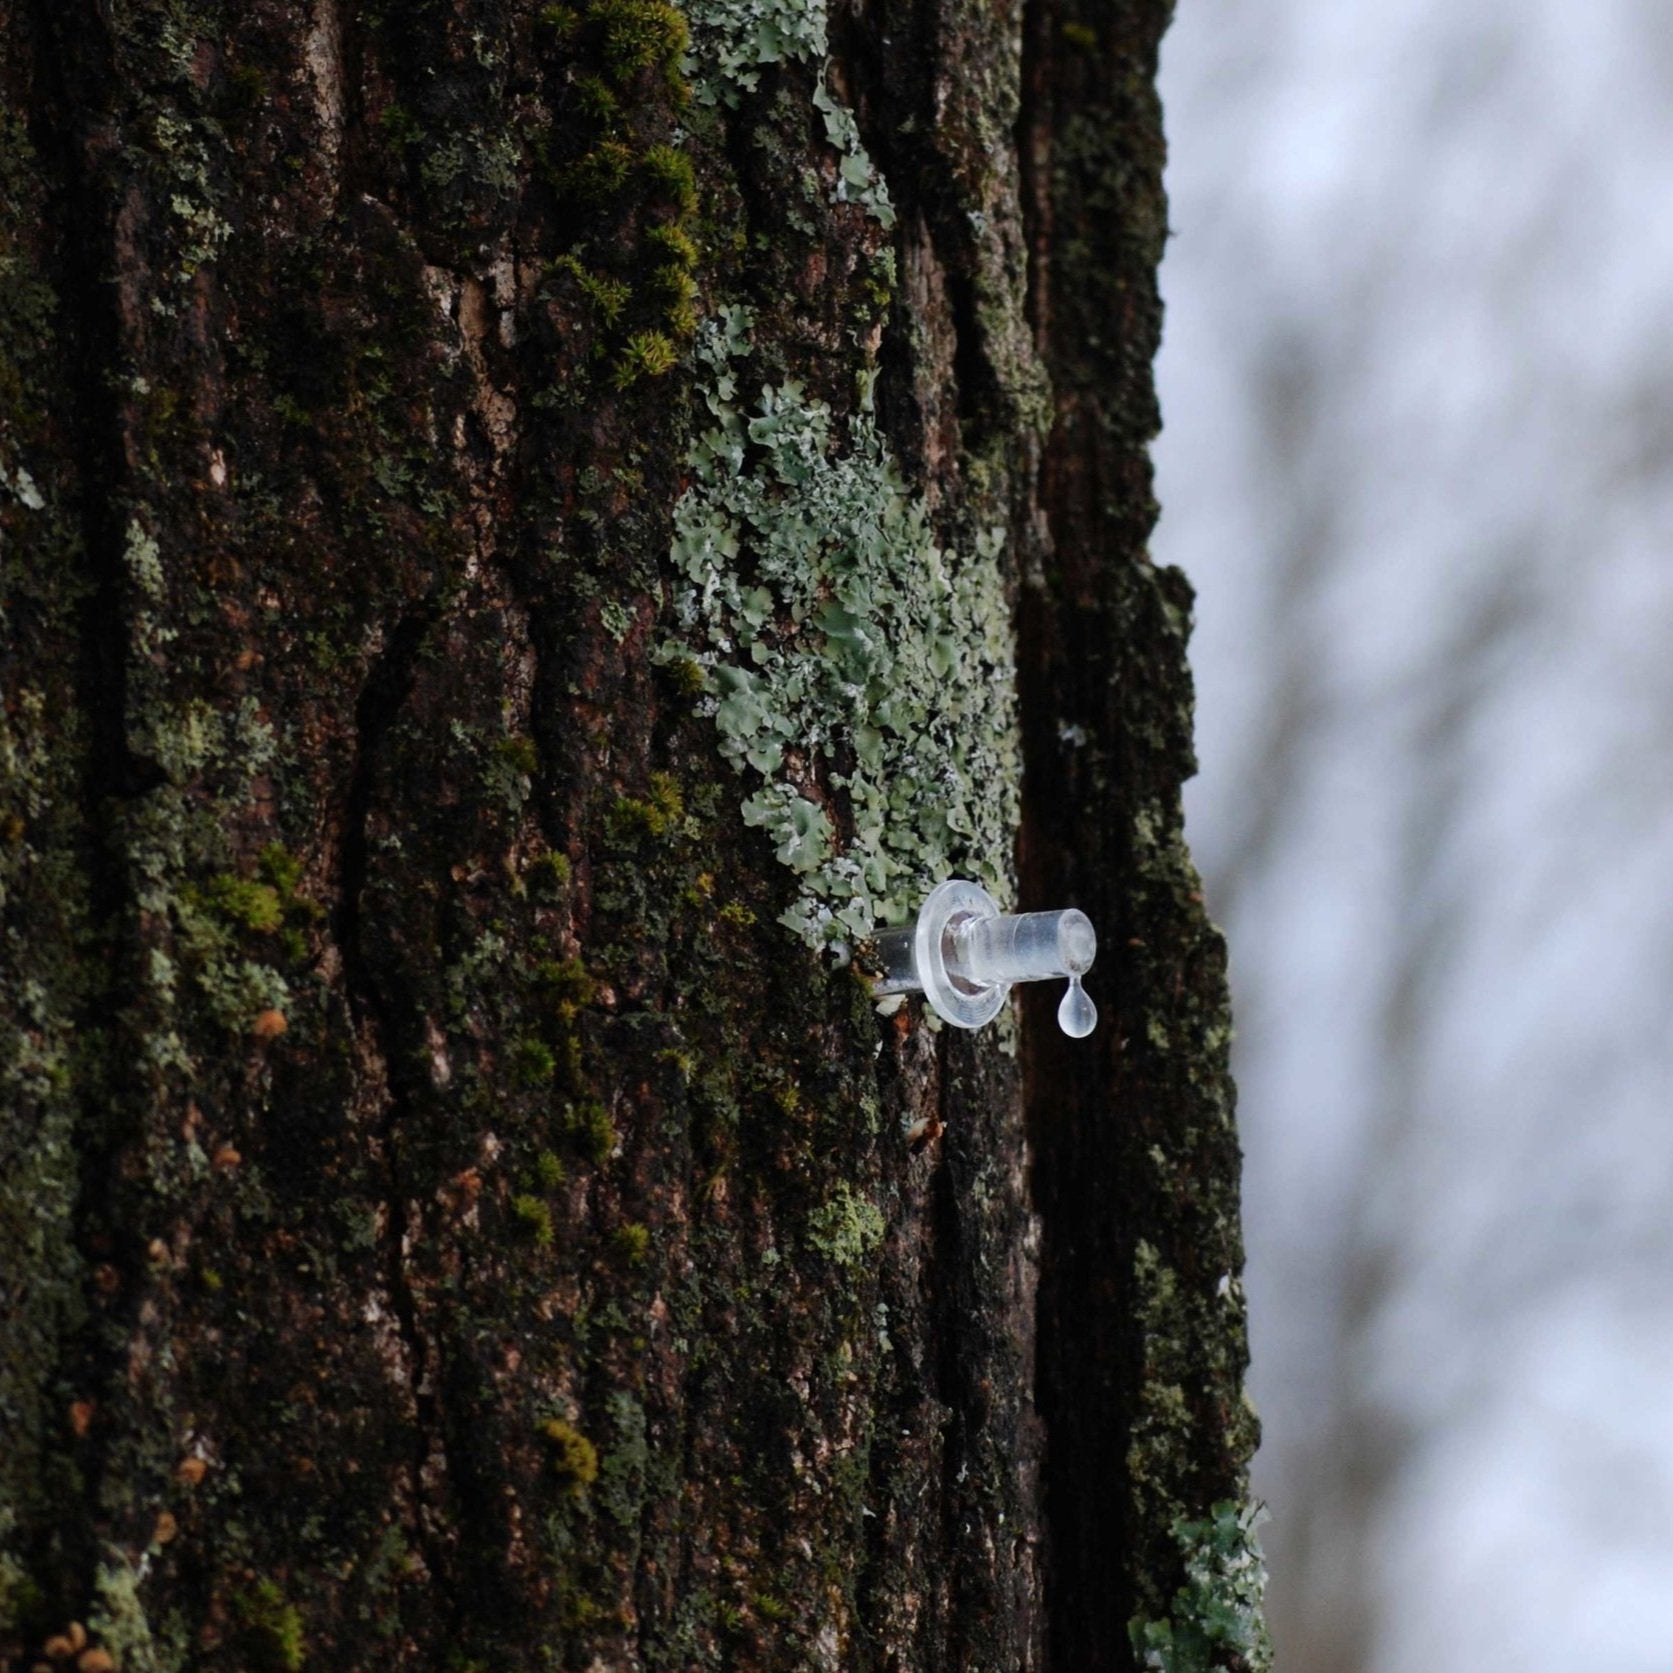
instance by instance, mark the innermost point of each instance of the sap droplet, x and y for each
(1077, 1016)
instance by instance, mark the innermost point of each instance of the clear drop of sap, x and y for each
(1077, 1016)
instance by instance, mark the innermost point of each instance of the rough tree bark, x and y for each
(456, 1207)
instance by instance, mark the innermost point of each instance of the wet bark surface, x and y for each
(445, 1219)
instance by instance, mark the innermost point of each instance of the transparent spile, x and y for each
(965, 955)
(1023, 947)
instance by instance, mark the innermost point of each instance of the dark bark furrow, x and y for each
(381, 1013)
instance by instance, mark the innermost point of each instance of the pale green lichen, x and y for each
(143, 561)
(120, 1622)
(732, 39)
(201, 231)
(730, 42)
(621, 1473)
(844, 650)
(17, 482)
(176, 847)
(858, 180)
(847, 1229)
(1216, 1623)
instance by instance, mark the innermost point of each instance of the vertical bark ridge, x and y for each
(1142, 1345)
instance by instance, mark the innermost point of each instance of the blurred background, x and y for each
(1418, 462)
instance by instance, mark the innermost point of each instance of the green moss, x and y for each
(602, 173)
(683, 1063)
(646, 354)
(669, 170)
(573, 1458)
(1081, 35)
(257, 907)
(270, 1629)
(678, 291)
(254, 906)
(548, 1170)
(641, 35)
(686, 675)
(589, 1128)
(631, 1243)
(561, 21)
(570, 1075)
(656, 816)
(400, 125)
(672, 240)
(519, 754)
(532, 1062)
(606, 297)
(292, 412)
(673, 283)
(533, 1218)
(281, 869)
(248, 88)
(595, 97)
(736, 914)
(550, 875)
(576, 1610)
(1216, 1620)
(847, 1229)
(566, 984)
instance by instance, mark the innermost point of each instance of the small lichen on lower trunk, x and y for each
(1215, 1625)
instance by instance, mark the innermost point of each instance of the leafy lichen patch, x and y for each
(844, 649)
(1215, 1622)
(731, 41)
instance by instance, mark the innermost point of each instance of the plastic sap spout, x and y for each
(964, 955)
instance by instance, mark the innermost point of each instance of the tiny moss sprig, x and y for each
(573, 1458)
(271, 1629)
(646, 354)
(631, 1243)
(641, 36)
(533, 1219)
(591, 1132)
(629, 189)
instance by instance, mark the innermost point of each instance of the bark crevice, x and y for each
(379, 1013)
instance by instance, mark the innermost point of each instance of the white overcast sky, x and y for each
(1417, 384)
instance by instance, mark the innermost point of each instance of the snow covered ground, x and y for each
(1418, 388)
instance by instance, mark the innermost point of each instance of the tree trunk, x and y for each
(528, 531)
